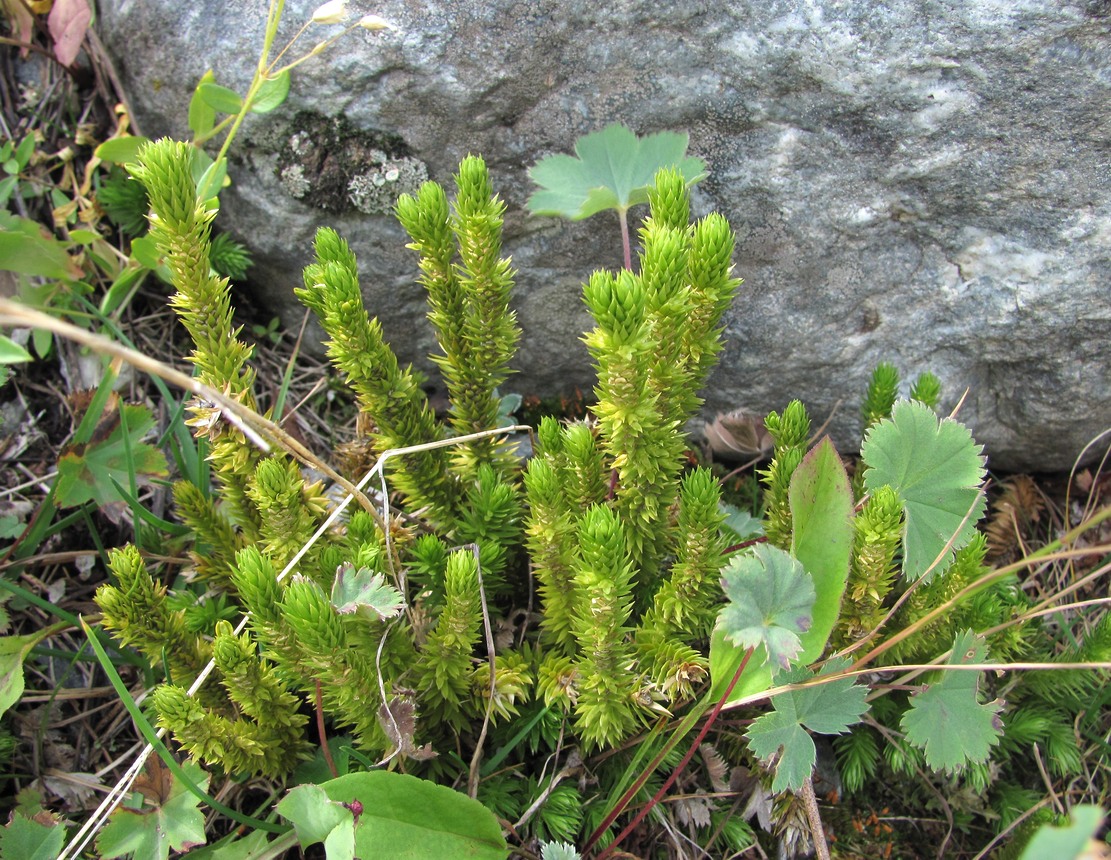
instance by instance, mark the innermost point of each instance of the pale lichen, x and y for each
(375, 191)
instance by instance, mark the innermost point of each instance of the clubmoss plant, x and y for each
(624, 550)
(514, 609)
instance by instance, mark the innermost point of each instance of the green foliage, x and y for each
(393, 396)
(828, 708)
(947, 720)
(1066, 842)
(790, 432)
(114, 455)
(383, 814)
(469, 301)
(13, 651)
(771, 599)
(877, 539)
(926, 390)
(124, 201)
(12, 353)
(365, 591)
(229, 258)
(937, 472)
(180, 227)
(821, 539)
(14, 160)
(31, 838)
(617, 170)
(169, 819)
(558, 851)
(883, 389)
(819, 506)
(136, 608)
(858, 757)
(381, 625)
(611, 169)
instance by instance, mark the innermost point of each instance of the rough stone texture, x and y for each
(919, 181)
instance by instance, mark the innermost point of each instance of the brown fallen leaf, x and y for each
(739, 435)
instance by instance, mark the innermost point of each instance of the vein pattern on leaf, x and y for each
(614, 170)
(937, 470)
(171, 820)
(946, 720)
(828, 709)
(771, 599)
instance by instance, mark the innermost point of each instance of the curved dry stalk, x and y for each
(254, 426)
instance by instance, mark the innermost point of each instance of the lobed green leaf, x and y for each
(938, 471)
(946, 720)
(614, 170)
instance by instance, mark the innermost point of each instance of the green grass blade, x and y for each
(148, 732)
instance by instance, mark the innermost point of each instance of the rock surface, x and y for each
(927, 183)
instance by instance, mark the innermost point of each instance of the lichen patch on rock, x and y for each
(327, 163)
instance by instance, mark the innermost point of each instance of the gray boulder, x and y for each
(921, 183)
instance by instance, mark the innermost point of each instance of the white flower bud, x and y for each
(373, 22)
(332, 12)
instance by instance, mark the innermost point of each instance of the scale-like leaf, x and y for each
(614, 170)
(365, 591)
(770, 602)
(828, 709)
(937, 470)
(170, 820)
(946, 720)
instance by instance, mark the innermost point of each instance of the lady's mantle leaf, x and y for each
(822, 508)
(770, 601)
(946, 721)
(365, 590)
(169, 819)
(115, 453)
(937, 470)
(38, 838)
(828, 709)
(614, 170)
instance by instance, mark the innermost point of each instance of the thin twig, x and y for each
(678, 769)
(322, 731)
(817, 832)
(476, 757)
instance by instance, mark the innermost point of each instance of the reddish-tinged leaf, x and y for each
(68, 22)
(168, 821)
(87, 471)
